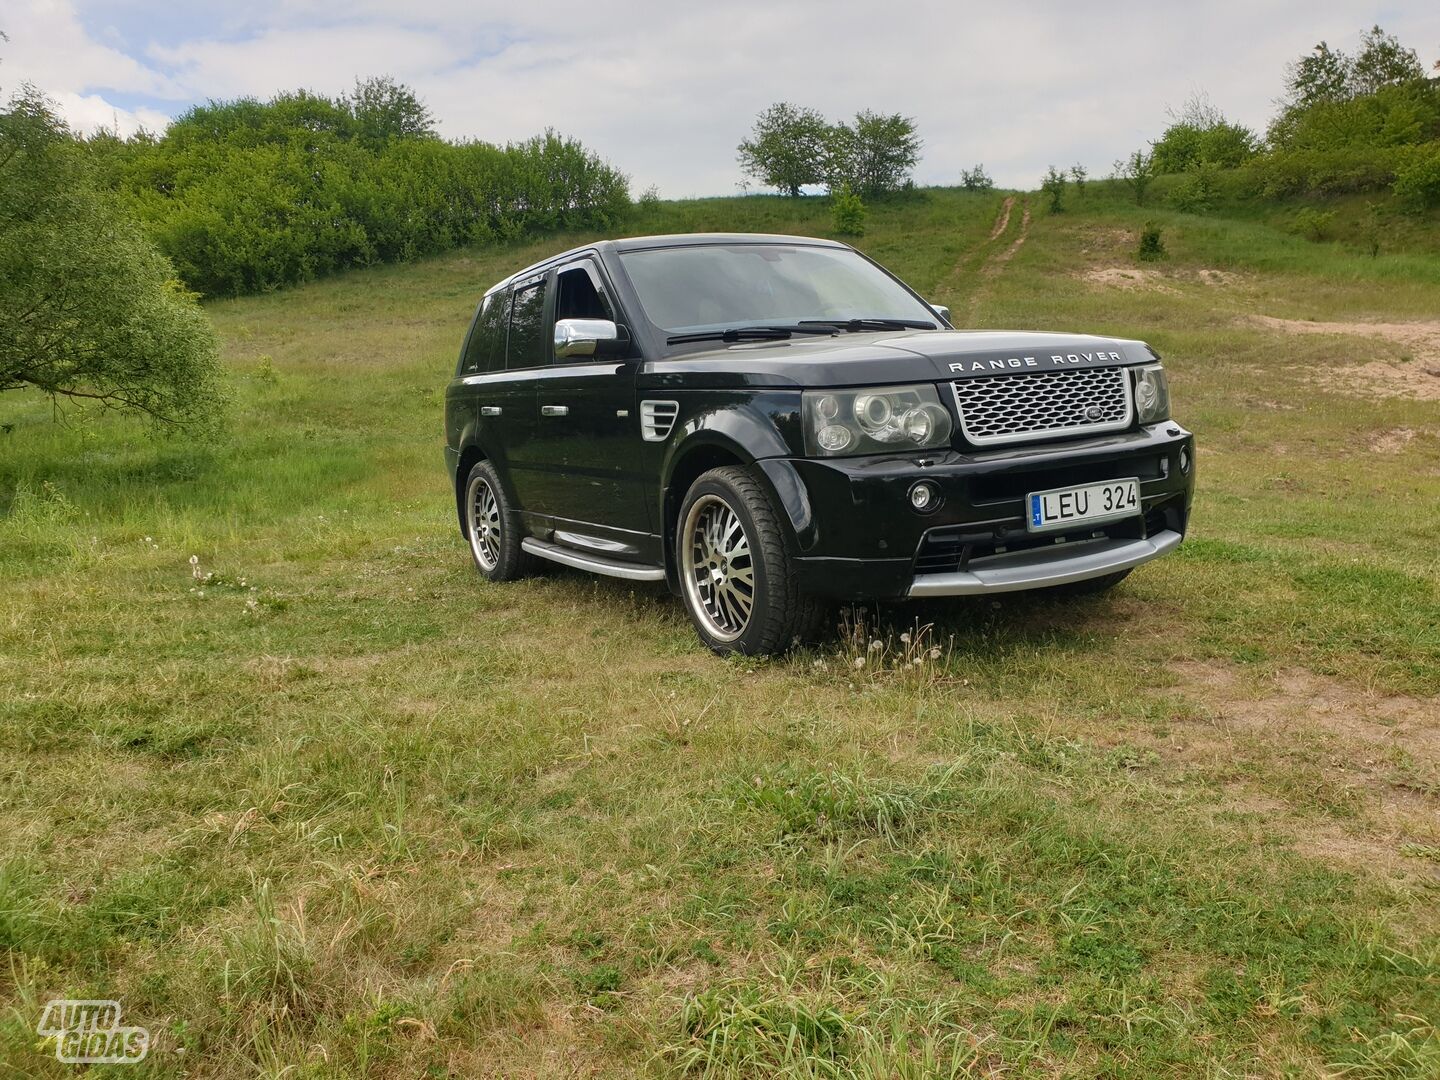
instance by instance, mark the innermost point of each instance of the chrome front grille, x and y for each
(998, 409)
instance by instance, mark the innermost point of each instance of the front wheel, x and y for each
(735, 570)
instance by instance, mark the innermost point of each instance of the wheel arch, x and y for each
(707, 450)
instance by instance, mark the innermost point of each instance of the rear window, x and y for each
(485, 350)
(527, 318)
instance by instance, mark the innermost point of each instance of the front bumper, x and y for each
(858, 537)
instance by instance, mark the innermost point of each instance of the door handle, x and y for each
(554, 410)
(489, 410)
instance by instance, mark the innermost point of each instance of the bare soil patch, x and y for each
(1392, 441)
(1129, 278)
(1383, 748)
(1419, 377)
(1153, 279)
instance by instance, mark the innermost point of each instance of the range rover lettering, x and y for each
(770, 424)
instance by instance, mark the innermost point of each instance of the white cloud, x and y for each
(666, 90)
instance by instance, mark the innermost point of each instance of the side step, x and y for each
(593, 563)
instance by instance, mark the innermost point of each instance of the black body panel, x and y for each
(569, 446)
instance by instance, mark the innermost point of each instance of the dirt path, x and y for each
(1002, 221)
(995, 262)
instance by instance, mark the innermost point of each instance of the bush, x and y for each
(245, 196)
(1136, 171)
(847, 212)
(1417, 182)
(1054, 188)
(1328, 172)
(1152, 247)
(976, 179)
(649, 198)
(1313, 224)
(1197, 190)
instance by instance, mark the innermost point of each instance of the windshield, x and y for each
(715, 287)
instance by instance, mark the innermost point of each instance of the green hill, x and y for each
(287, 779)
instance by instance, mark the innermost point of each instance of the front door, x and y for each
(589, 477)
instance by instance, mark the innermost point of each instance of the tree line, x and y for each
(1367, 121)
(106, 243)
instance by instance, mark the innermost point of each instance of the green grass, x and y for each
(322, 803)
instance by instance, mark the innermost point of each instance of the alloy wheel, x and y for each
(718, 567)
(484, 523)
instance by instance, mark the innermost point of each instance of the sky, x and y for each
(665, 90)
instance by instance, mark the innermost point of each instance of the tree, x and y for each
(787, 148)
(1054, 188)
(1383, 61)
(875, 155)
(1078, 176)
(1137, 171)
(385, 110)
(976, 179)
(1323, 74)
(89, 310)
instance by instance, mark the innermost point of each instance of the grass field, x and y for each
(279, 773)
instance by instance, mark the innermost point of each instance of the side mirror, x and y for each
(942, 311)
(586, 337)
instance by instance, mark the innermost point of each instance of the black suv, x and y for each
(767, 423)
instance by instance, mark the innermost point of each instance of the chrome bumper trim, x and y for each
(1037, 568)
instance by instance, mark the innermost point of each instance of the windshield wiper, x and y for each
(754, 333)
(856, 326)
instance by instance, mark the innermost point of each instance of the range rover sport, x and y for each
(772, 423)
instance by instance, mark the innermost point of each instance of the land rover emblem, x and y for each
(1094, 412)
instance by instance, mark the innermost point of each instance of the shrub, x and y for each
(1054, 188)
(649, 198)
(1152, 246)
(847, 212)
(1313, 224)
(1198, 189)
(1136, 171)
(245, 196)
(1417, 183)
(976, 179)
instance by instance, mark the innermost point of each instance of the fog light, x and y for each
(924, 497)
(1184, 460)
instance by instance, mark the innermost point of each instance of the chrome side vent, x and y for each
(657, 419)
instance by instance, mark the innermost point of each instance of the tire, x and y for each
(1090, 586)
(735, 569)
(490, 526)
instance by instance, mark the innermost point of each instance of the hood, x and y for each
(881, 359)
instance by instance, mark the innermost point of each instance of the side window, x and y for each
(527, 319)
(576, 296)
(485, 351)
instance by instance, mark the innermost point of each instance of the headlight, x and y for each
(874, 420)
(1152, 394)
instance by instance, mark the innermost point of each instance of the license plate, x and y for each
(1060, 508)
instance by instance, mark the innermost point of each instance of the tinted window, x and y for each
(485, 351)
(576, 297)
(527, 319)
(707, 287)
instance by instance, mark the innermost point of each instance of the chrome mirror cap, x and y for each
(942, 311)
(583, 337)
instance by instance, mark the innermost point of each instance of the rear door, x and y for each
(592, 483)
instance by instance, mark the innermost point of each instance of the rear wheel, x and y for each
(489, 526)
(735, 570)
